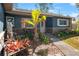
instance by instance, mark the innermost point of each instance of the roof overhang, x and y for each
(25, 13)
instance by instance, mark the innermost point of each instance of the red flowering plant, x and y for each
(13, 46)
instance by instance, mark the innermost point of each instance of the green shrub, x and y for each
(61, 34)
(67, 34)
(43, 38)
(30, 35)
(20, 37)
(25, 34)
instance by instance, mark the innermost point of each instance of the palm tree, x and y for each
(34, 22)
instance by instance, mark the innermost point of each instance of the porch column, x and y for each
(42, 27)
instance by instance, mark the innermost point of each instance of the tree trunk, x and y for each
(36, 33)
(36, 38)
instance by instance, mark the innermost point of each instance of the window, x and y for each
(26, 25)
(10, 19)
(62, 22)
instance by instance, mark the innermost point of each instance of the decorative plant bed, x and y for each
(14, 47)
(19, 53)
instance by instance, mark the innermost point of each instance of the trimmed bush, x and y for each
(43, 38)
(67, 34)
(26, 33)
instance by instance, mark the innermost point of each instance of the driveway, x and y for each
(65, 48)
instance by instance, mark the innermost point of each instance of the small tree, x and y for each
(34, 22)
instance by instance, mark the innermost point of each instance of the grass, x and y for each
(73, 41)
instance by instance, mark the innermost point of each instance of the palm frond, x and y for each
(35, 15)
(43, 18)
(30, 22)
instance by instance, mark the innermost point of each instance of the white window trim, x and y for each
(9, 17)
(58, 22)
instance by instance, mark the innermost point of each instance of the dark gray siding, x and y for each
(17, 20)
(51, 24)
(60, 28)
(1, 18)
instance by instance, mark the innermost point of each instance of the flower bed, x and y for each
(17, 45)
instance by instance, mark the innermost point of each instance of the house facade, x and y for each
(58, 23)
(53, 23)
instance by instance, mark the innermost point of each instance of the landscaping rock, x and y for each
(53, 50)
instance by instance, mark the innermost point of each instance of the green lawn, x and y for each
(74, 42)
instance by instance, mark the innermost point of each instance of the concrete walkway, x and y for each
(65, 48)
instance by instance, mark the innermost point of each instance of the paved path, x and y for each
(65, 48)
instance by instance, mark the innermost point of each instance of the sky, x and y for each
(58, 8)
